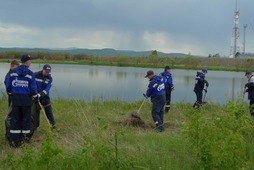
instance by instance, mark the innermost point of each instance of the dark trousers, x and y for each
(7, 121)
(36, 115)
(251, 107)
(199, 95)
(20, 123)
(157, 110)
(168, 99)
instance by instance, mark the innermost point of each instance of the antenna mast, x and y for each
(244, 33)
(235, 35)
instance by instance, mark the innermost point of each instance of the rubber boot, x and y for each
(167, 109)
(54, 128)
(195, 104)
(160, 128)
(198, 105)
(251, 108)
(26, 138)
(13, 144)
(252, 112)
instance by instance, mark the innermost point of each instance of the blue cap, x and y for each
(25, 58)
(204, 70)
(247, 72)
(167, 67)
(47, 68)
(148, 73)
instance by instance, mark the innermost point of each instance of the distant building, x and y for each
(244, 55)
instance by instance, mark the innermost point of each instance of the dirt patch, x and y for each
(134, 119)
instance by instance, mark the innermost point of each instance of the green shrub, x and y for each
(220, 140)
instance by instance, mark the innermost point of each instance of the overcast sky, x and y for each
(199, 27)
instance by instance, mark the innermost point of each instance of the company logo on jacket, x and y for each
(19, 83)
(161, 87)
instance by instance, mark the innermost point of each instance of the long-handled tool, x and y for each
(136, 114)
(42, 108)
(243, 96)
(142, 103)
(203, 101)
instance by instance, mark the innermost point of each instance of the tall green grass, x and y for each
(221, 139)
(93, 136)
(151, 61)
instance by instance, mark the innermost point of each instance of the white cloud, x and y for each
(19, 36)
(196, 26)
(14, 35)
(162, 41)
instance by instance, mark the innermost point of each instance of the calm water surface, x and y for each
(128, 83)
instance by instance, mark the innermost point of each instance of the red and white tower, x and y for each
(235, 35)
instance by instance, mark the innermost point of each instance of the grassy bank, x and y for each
(189, 62)
(96, 135)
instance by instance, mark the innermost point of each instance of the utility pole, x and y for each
(244, 33)
(235, 34)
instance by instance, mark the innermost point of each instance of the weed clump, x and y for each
(220, 140)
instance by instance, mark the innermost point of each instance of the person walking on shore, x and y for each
(156, 90)
(249, 88)
(168, 81)
(200, 82)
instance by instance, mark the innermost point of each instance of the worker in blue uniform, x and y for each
(156, 90)
(44, 81)
(21, 86)
(14, 64)
(200, 83)
(168, 81)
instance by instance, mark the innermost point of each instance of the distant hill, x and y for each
(97, 52)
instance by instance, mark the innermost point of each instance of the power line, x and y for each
(251, 25)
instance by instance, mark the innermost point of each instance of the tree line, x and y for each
(153, 60)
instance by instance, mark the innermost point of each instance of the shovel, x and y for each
(203, 101)
(243, 96)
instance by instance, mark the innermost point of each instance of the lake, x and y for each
(129, 83)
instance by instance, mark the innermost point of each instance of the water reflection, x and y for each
(121, 75)
(128, 83)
